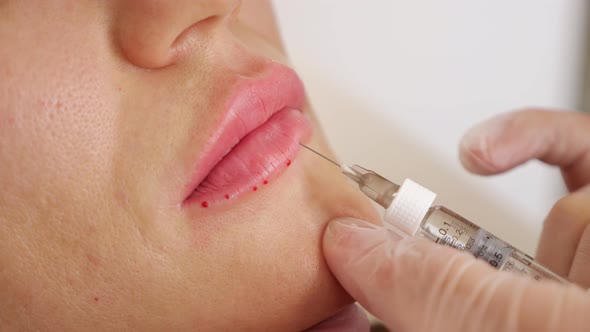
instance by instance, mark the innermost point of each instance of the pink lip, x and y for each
(257, 137)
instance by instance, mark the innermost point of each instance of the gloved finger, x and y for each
(563, 239)
(580, 270)
(564, 246)
(559, 138)
(508, 140)
(415, 285)
(350, 319)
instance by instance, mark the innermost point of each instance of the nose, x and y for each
(153, 33)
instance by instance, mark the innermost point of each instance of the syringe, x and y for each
(409, 212)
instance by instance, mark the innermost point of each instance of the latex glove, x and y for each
(413, 284)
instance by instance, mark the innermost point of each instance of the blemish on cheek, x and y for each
(204, 204)
(265, 182)
(93, 259)
(255, 188)
(9, 122)
(288, 162)
(122, 198)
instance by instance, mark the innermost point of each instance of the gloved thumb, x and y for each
(413, 284)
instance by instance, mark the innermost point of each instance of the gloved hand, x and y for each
(413, 284)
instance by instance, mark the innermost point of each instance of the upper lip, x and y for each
(252, 103)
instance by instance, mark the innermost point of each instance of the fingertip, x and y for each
(474, 151)
(351, 318)
(337, 224)
(339, 230)
(487, 147)
(345, 235)
(473, 157)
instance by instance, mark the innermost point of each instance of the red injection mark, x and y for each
(265, 182)
(226, 196)
(255, 188)
(205, 204)
(288, 162)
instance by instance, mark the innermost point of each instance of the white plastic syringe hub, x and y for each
(409, 207)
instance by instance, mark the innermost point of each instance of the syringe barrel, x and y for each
(443, 226)
(411, 214)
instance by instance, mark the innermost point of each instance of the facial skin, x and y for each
(104, 105)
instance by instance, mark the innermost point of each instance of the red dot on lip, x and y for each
(204, 204)
(265, 182)
(226, 196)
(288, 162)
(255, 188)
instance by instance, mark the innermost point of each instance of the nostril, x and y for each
(135, 56)
(155, 33)
(145, 45)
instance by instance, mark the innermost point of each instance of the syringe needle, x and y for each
(376, 187)
(319, 154)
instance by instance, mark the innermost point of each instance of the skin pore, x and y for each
(104, 107)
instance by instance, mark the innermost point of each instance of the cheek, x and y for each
(58, 108)
(57, 114)
(56, 119)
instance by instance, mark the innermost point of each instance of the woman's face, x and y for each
(144, 152)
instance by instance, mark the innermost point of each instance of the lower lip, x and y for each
(255, 160)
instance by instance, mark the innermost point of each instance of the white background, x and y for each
(396, 84)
